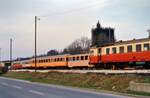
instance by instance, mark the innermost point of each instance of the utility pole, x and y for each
(0, 54)
(10, 51)
(35, 48)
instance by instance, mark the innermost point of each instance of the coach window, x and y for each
(114, 51)
(129, 48)
(86, 57)
(73, 58)
(82, 57)
(138, 47)
(121, 49)
(66, 59)
(77, 57)
(146, 47)
(107, 50)
(61, 59)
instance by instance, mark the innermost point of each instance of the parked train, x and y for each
(58, 61)
(118, 55)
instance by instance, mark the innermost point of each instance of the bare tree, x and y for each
(81, 45)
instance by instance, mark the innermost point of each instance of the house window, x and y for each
(138, 47)
(129, 48)
(114, 51)
(121, 49)
(146, 47)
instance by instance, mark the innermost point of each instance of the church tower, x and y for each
(102, 36)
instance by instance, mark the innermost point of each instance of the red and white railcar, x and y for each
(122, 53)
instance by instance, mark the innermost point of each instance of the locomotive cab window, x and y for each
(146, 47)
(138, 47)
(121, 49)
(107, 51)
(129, 48)
(114, 51)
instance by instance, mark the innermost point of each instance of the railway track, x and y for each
(90, 71)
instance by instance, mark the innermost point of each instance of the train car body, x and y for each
(16, 65)
(50, 61)
(79, 61)
(122, 53)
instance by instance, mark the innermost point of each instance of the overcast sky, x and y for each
(62, 21)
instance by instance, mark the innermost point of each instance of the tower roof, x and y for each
(98, 25)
